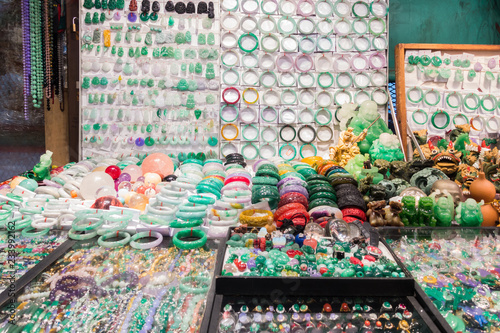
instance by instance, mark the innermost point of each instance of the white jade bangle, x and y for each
(42, 223)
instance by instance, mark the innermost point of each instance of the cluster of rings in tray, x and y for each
(287, 65)
(150, 77)
(443, 91)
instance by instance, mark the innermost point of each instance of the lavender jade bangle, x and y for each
(379, 55)
(294, 188)
(51, 183)
(257, 164)
(292, 182)
(295, 180)
(146, 234)
(309, 58)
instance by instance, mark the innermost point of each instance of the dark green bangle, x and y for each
(434, 116)
(249, 34)
(268, 166)
(190, 233)
(262, 180)
(315, 182)
(267, 173)
(321, 188)
(316, 177)
(294, 133)
(207, 189)
(323, 195)
(322, 202)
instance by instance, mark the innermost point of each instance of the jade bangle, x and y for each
(307, 144)
(438, 99)
(250, 144)
(263, 148)
(412, 100)
(146, 234)
(90, 223)
(194, 290)
(28, 232)
(114, 234)
(201, 199)
(434, 116)
(476, 97)
(459, 100)
(190, 215)
(82, 236)
(288, 158)
(188, 245)
(153, 220)
(420, 111)
(252, 35)
(18, 223)
(493, 100)
(192, 207)
(330, 82)
(460, 115)
(329, 113)
(273, 129)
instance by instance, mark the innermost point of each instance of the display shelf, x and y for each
(315, 306)
(303, 286)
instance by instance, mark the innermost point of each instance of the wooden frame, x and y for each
(399, 62)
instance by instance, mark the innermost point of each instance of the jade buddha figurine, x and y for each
(42, 169)
(409, 210)
(443, 211)
(468, 213)
(426, 212)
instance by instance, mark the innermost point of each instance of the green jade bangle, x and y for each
(250, 144)
(189, 245)
(412, 100)
(190, 215)
(288, 158)
(438, 97)
(232, 106)
(183, 286)
(330, 77)
(273, 37)
(434, 122)
(305, 145)
(192, 207)
(17, 223)
(328, 112)
(269, 128)
(459, 100)
(460, 115)
(268, 73)
(201, 199)
(30, 232)
(114, 234)
(493, 100)
(420, 111)
(89, 223)
(251, 35)
(181, 224)
(146, 245)
(82, 236)
(262, 148)
(153, 220)
(476, 97)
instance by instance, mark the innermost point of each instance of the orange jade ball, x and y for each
(138, 201)
(158, 163)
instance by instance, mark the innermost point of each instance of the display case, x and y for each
(457, 268)
(357, 266)
(103, 289)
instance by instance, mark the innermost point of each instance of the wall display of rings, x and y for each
(293, 62)
(150, 76)
(452, 90)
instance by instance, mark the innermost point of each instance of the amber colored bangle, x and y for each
(250, 102)
(247, 217)
(222, 132)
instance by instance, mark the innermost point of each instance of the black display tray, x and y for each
(303, 286)
(10, 296)
(412, 302)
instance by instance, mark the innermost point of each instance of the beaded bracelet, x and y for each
(188, 245)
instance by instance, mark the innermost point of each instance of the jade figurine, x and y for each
(42, 169)
(468, 213)
(426, 212)
(409, 210)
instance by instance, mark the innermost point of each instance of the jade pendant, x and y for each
(118, 37)
(211, 38)
(88, 4)
(95, 18)
(120, 51)
(190, 103)
(149, 39)
(138, 37)
(88, 18)
(120, 4)
(177, 54)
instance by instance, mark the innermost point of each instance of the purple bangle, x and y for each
(255, 11)
(301, 13)
(257, 164)
(51, 183)
(291, 181)
(379, 55)
(240, 174)
(354, 68)
(294, 188)
(324, 211)
(297, 62)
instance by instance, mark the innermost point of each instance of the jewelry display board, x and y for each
(442, 85)
(288, 66)
(149, 76)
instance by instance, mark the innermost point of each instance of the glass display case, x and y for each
(457, 268)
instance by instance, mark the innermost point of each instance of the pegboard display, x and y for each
(287, 67)
(149, 76)
(444, 89)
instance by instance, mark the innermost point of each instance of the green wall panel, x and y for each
(443, 21)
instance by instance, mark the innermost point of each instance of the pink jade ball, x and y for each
(113, 171)
(92, 182)
(138, 201)
(134, 171)
(158, 163)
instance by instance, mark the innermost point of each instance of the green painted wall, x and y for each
(443, 21)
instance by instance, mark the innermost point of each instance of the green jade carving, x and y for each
(426, 212)
(468, 213)
(409, 210)
(42, 169)
(443, 211)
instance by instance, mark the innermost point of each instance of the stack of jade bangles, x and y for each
(286, 66)
(465, 94)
